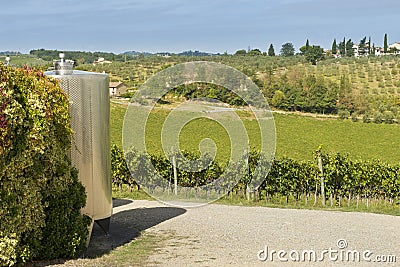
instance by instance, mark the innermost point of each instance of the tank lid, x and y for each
(63, 66)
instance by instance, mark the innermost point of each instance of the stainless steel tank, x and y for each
(90, 121)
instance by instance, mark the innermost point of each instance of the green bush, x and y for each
(388, 117)
(119, 169)
(40, 195)
(378, 117)
(367, 117)
(344, 114)
(354, 116)
(127, 95)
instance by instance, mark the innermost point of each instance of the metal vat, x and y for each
(90, 120)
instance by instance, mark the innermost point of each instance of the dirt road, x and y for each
(220, 235)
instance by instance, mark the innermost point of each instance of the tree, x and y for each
(287, 50)
(241, 52)
(342, 47)
(349, 48)
(278, 98)
(369, 46)
(303, 49)
(385, 44)
(393, 50)
(345, 98)
(271, 51)
(254, 52)
(334, 47)
(314, 54)
(362, 47)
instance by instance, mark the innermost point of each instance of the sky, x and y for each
(215, 26)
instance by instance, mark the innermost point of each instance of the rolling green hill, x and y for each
(367, 87)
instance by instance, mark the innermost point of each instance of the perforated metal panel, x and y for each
(90, 151)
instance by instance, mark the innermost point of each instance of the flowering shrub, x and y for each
(7, 247)
(40, 195)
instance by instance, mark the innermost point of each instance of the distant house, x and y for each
(117, 89)
(102, 61)
(379, 51)
(395, 47)
(355, 50)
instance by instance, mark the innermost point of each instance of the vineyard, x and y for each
(346, 182)
(353, 175)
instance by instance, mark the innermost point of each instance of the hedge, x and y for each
(40, 194)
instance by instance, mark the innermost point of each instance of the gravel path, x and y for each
(220, 235)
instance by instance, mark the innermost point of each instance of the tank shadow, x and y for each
(118, 202)
(127, 225)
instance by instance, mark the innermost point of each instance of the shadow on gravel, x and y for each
(117, 202)
(126, 226)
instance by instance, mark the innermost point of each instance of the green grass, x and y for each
(297, 136)
(116, 121)
(126, 192)
(135, 253)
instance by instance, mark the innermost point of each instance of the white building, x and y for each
(395, 46)
(117, 89)
(101, 61)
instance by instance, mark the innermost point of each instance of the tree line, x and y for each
(80, 57)
(315, 53)
(312, 53)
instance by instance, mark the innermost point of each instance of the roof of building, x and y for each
(115, 84)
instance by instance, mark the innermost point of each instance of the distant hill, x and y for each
(136, 53)
(80, 57)
(3, 53)
(195, 53)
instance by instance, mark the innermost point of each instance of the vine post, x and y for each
(322, 175)
(175, 171)
(247, 153)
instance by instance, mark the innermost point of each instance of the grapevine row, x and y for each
(343, 177)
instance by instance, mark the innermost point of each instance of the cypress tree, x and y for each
(385, 44)
(342, 47)
(369, 46)
(334, 47)
(362, 47)
(271, 51)
(307, 44)
(349, 48)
